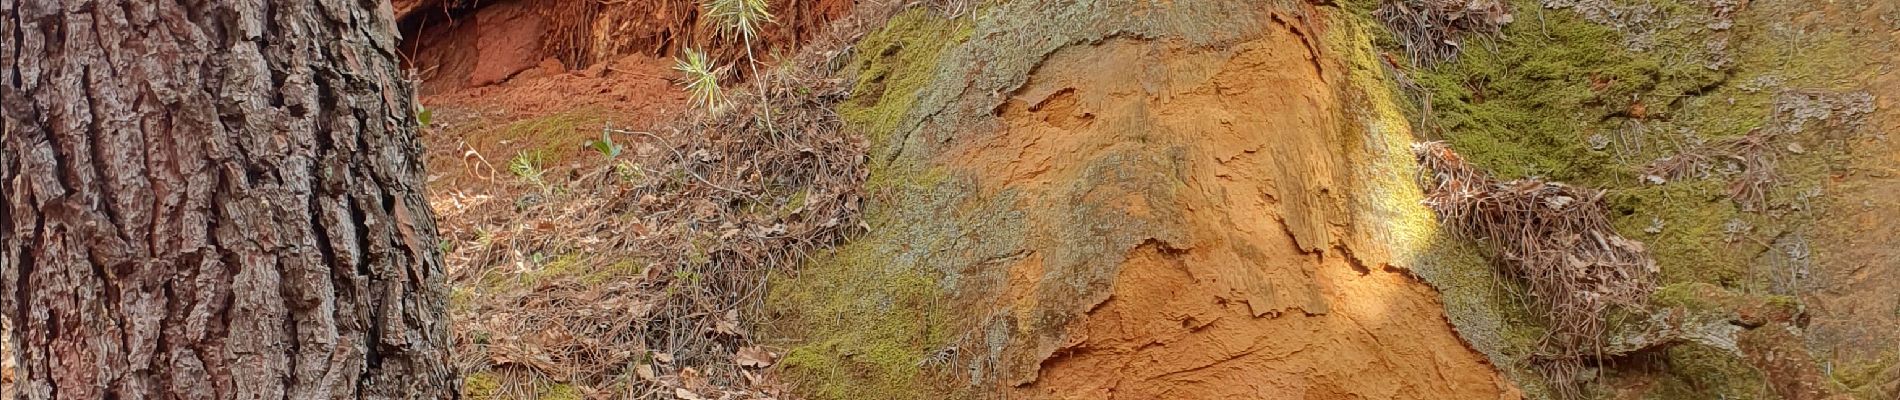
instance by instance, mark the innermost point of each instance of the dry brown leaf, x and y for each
(684, 394)
(729, 324)
(692, 378)
(662, 357)
(645, 372)
(639, 308)
(753, 356)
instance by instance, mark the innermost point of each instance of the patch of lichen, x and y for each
(892, 66)
(1488, 308)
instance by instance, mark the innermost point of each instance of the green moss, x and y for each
(1784, 302)
(462, 297)
(872, 323)
(481, 386)
(893, 65)
(562, 391)
(1694, 371)
(863, 319)
(1684, 295)
(1531, 104)
(558, 134)
(553, 140)
(1696, 233)
(1864, 379)
(1527, 106)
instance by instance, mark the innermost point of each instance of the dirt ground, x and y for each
(553, 290)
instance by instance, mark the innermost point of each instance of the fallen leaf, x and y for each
(663, 358)
(691, 378)
(753, 356)
(639, 309)
(684, 394)
(645, 372)
(729, 325)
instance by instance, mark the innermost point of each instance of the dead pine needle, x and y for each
(1554, 238)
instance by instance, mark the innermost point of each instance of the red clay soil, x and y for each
(454, 45)
(639, 86)
(513, 76)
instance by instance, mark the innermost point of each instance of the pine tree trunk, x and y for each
(215, 199)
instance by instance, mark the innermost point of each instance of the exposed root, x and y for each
(1557, 239)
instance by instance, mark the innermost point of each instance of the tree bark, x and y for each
(215, 199)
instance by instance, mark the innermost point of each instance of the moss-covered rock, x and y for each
(1592, 91)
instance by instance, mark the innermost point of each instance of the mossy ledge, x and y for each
(1592, 98)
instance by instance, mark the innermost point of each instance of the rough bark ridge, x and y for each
(215, 199)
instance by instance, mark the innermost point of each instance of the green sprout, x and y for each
(527, 166)
(741, 16)
(605, 146)
(702, 81)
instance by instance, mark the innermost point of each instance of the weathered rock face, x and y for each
(1191, 233)
(1104, 200)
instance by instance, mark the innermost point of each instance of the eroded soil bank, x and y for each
(456, 44)
(1117, 206)
(1232, 162)
(1216, 198)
